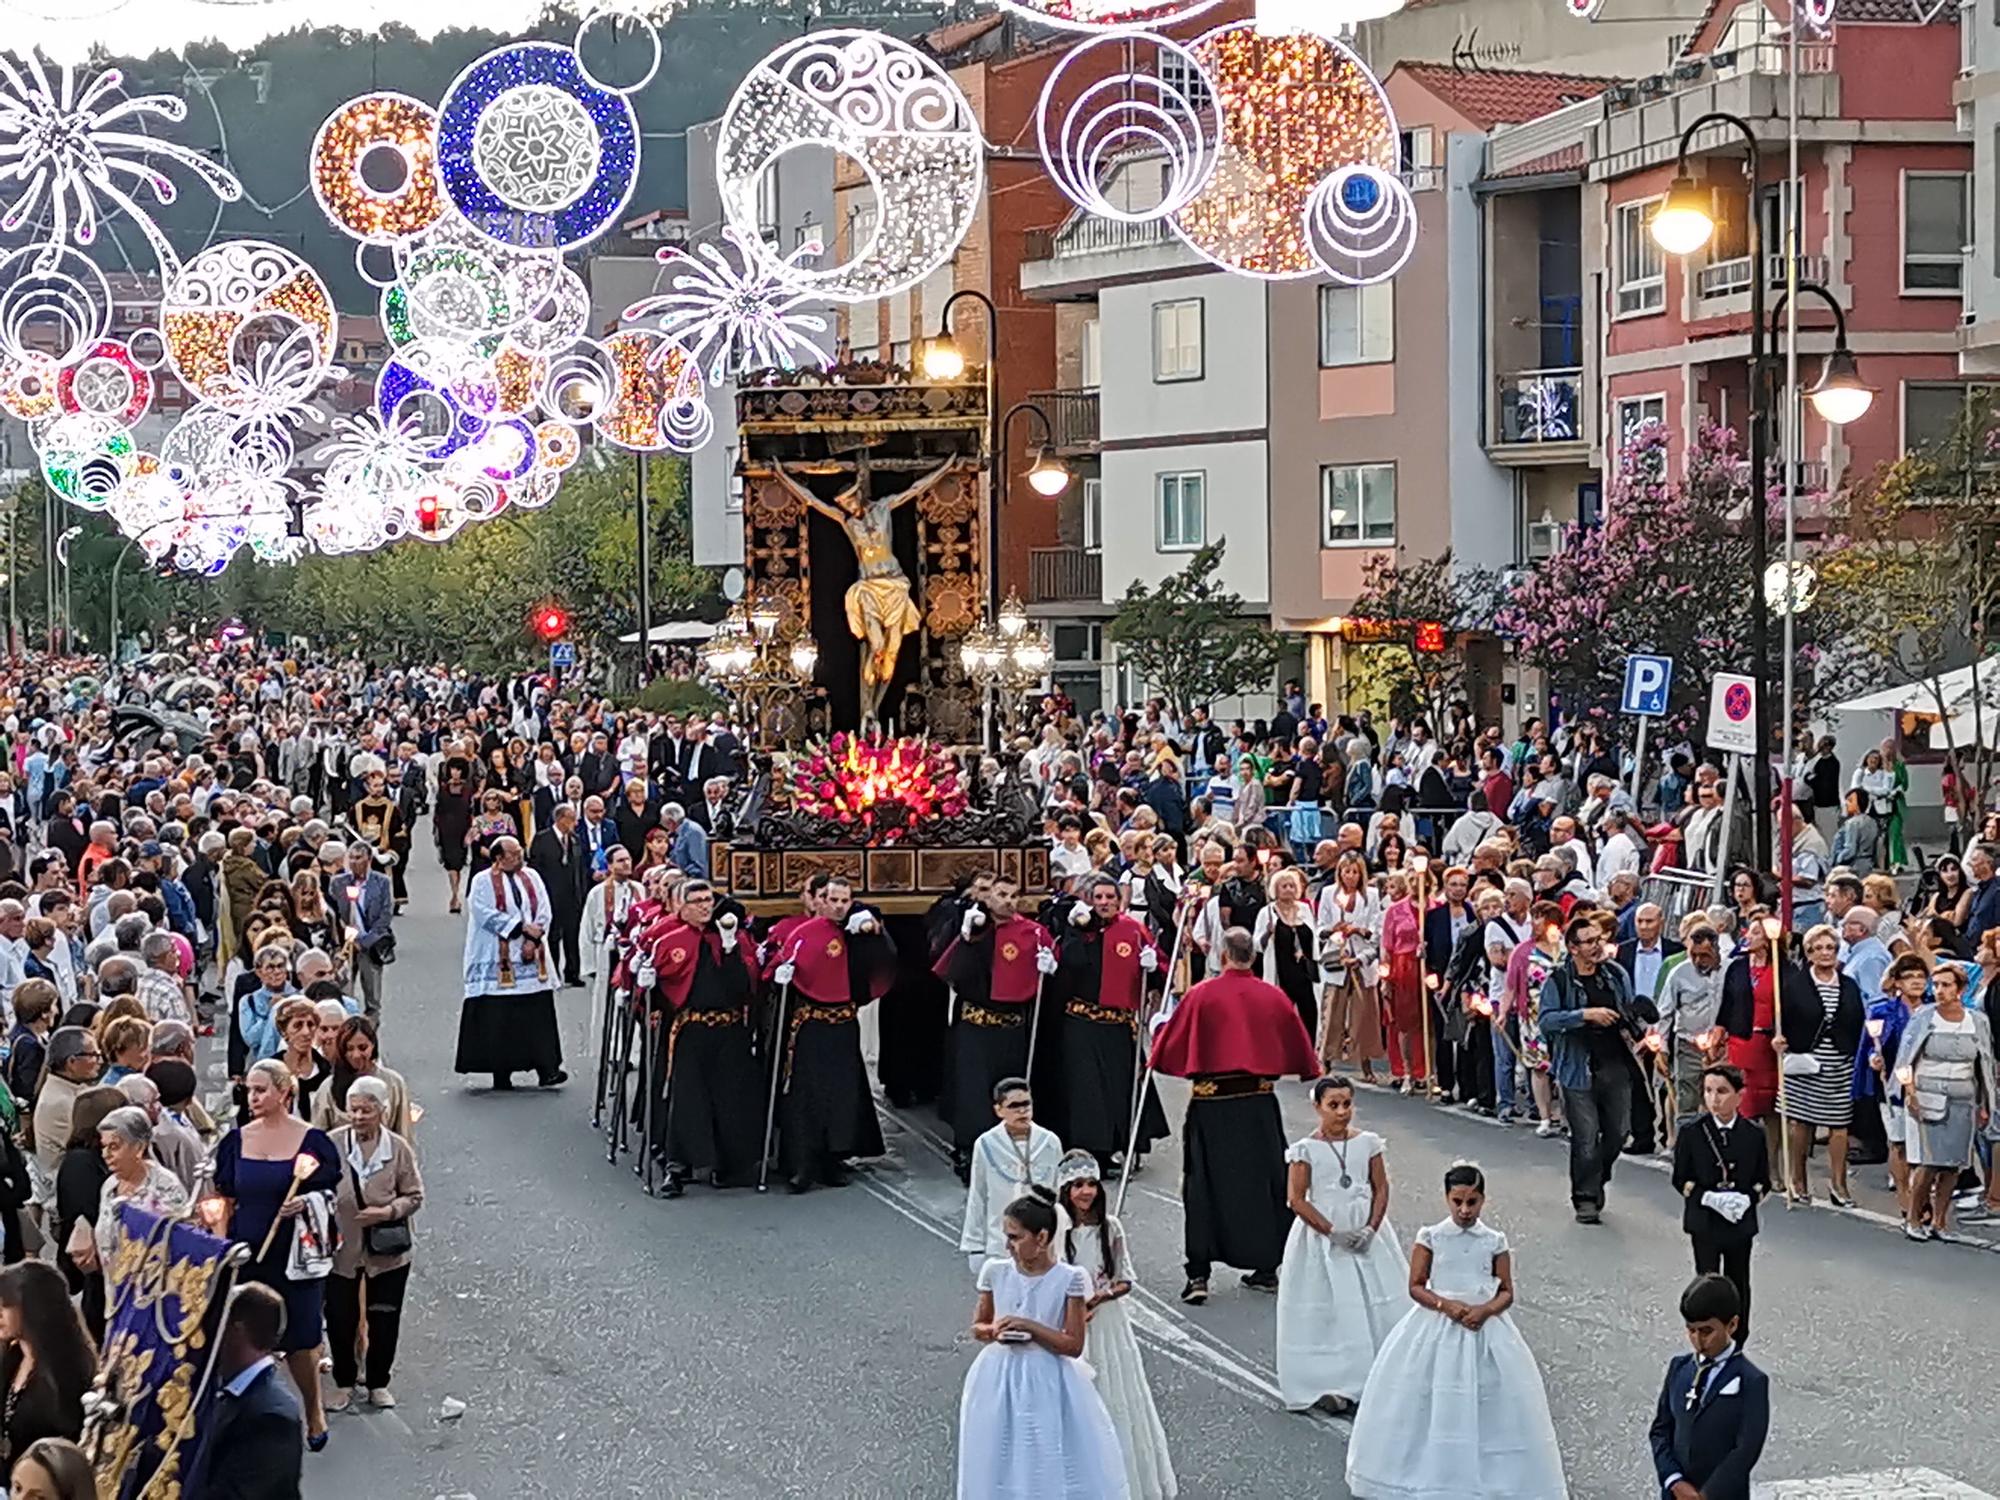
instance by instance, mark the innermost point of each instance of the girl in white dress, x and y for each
(1031, 1426)
(1345, 1281)
(1095, 1242)
(1456, 1409)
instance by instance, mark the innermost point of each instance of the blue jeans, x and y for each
(1503, 1067)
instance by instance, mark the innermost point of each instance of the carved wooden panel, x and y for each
(892, 871)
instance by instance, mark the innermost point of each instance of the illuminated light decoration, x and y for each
(148, 504)
(28, 387)
(106, 382)
(1818, 14)
(1295, 109)
(87, 458)
(1430, 637)
(506, 450)
(722, 308)
(902, 121)
(1089, 127)
(535, 490)
(615, 12)
(557, 446)
(582, 384)
(403, 391)
(147, 348)
(1107, 15)
(644, 385)
(517, 380)
(67, 146)
(688, 422)
(1584, 10)
(559, 318)
(228, 288)
(50, 293)
(880, 787)
(360, 128)
(463, 283)
(1361, 224)
(375, 264)
(1327, 17)
(534, 154)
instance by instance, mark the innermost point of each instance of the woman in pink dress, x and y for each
(1402, 939)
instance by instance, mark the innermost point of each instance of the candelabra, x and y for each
(747, 660)
(1005, 659)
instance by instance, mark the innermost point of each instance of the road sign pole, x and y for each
(1728, 819)
(1639, 767)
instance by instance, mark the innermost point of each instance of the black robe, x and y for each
(709, 1099)
(826, 1108)
(1097, 1062)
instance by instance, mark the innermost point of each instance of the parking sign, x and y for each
(1648, 681)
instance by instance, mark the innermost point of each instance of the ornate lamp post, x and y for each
(1009, 657)
(748, 661)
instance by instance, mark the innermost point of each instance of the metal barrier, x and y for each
(1677, 892)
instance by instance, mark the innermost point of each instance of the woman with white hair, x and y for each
(380, 1190)
(126, 1138)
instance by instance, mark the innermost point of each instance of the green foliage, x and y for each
(678, 695)
(1189, 638)
(1396, 597)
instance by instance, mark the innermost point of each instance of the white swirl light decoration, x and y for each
(687, 421)
(558, 319)
(1819, 13)
(719, 307)
(898, 115)
(1362, 225)
(47, 287)
(1087, 125)
(67, 147)
(1107, 15)
(225, 289)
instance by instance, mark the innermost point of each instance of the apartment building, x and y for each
(1976, 98)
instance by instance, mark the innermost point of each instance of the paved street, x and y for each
(731, 1345)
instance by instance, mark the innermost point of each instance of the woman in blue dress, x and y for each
(254, 1169)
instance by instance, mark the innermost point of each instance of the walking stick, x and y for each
(604, 1042)
(1142, 1053)
(617, 1126)
(649, 1051)
(1034, 1027)
(777, 1064)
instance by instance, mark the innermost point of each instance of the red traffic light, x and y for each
(427, 512)
(1430, 635)
(551, 622)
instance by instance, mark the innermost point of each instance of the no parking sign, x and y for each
(1732, 714)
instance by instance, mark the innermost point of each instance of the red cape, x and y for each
(1012, 948)
(675, 951)
(1124, 939)
(1235, 1023)
(818, 950)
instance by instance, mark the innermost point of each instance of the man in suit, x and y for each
(1443, 925)
(599, 767)
(1645, 957)
(1722, 1167)
(1715, 1406)
(689, 850)
(255, 1441)
(597, 834)
(364, 902)
(694, 758)
(557, 855)
(712, 811)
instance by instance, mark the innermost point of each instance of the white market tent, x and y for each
(1970, 693)
(673, 630)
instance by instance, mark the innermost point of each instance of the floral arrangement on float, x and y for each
(881, 788)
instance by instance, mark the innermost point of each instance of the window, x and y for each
(861, 222)
(811, 231)
(1357, 504)
(1093, 515)
(1177, 72)
(1636, 413)
(1357, 324)
(1642, 266)
(1416, 149)
(1183, 511)
(1090, 356)
(1933, 233)
(1934, 413)
(1177, 340)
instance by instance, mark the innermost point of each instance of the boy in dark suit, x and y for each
(1722, 1168)
(1715, 1406)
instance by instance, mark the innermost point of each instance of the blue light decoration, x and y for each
(399, 383)
(532, 153)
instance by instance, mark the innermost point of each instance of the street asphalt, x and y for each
(734, 1345)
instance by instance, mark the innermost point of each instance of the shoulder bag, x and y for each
(390, 1237)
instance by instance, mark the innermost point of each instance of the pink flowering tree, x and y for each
(1668, 572)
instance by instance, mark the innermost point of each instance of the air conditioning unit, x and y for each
(1545, 538)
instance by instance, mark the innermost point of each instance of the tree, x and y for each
(1401, 601)
(1667, 572)
(1189, 637)
(1909, 582)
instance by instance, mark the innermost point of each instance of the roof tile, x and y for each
(1503, 96)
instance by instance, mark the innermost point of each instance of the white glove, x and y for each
(1156, 1023)
(783, 973)
(1357, 1239)
(860, 921)
(974, 920)
(1732, 1206)
(1045, 960)
(646, 976)
(1149, 959)
(726, 922)
(1079, 914)
(728, 935)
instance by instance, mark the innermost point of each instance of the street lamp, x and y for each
(1683, 225)
(744, 657)
(1047, 476)
(943, 359)
(1011, 655)
(1840, 395)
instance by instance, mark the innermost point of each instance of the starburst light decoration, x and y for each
(723, 309)
(63, 147)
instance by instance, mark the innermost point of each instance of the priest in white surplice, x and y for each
(604, 913)
(508, 1022)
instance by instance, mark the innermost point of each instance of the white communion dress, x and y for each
(1031, 1425)
(1455, 1413)
(1335, 1305)
(1111, 1349)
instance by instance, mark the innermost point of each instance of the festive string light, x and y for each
(902, 121)
(68, 147)
(224, 290)
(721, 307)
(615, 13)
(1295, 109)
(376, 123)
(106, 382)
(1090, 127)
(1107, 15)
(50, 293)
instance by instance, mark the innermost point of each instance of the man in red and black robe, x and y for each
(994, 967)
(1108, 961)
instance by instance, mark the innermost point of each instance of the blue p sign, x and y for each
(1648, 681)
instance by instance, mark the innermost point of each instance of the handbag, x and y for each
(390, 1237)
(1799, 1065)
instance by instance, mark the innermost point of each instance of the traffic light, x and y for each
(551, 622)
(427, 513)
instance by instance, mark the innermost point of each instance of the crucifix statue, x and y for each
(880, 608)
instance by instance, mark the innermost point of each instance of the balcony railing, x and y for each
(1542, 406)
(1088, 234)
(1729, 278)
(1064, 575)
(1072, 416)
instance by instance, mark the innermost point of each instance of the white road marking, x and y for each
(1881, 1484)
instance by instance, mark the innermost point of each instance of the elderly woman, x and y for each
(379, 1192)
(1816, 1047)
(126, 1138)
(254, 1032)
(354, 1056)
(79, 1191)
(297, 1020)
(241, 878)
(1945, 1065)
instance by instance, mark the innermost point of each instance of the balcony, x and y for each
(1539, 417)
(1088, 252)
(1072, 419)
(1731, 278)
(1065, 575)
(1087, 234)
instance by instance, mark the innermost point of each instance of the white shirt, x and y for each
(1621, 854)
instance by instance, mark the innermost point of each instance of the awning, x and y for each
(673, 630)
(1960, 687)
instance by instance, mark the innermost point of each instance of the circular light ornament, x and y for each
(1089, 126)
(28, 386)
(608, 17)
(1295, 108)
(87, 458)
(1362, 225)
(557, 446)
(1107, 15)
(903, 122)
(363, 128)
(222, 291)
(643, 390)
(51, 295)
(558, 319)
(106, 382)
(532, 153)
